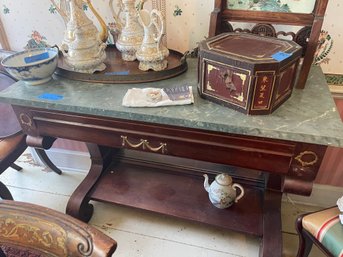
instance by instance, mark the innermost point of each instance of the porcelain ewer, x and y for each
(129, 29)
(64, 11)
(222, 193)
(82, 46)
(152, 53)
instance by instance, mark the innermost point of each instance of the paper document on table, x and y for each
(154, 97)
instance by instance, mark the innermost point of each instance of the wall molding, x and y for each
(322, 195)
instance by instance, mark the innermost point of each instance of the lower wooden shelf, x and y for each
(177, 194)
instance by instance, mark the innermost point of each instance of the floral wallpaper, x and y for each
(33, 23)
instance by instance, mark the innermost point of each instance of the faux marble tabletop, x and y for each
(308, 116)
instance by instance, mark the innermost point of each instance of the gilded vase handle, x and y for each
(104, 31)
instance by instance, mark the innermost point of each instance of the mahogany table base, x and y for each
(159, 168)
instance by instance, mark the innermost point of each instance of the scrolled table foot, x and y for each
(78, 205)
(82, 212)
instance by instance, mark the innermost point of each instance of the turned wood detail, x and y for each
(78, 205)
(40, 142)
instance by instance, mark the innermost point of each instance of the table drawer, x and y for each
(211, 146)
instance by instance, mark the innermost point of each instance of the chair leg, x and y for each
(2, 254)
(16, 167)
(305, 242)
(5, 194)
(45, 159)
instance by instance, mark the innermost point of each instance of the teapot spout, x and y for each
(206, 184)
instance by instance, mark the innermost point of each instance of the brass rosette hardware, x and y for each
(303, 163)
(144, 144)
(25, 120)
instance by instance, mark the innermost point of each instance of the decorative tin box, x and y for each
(247, 72)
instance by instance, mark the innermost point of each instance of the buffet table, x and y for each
(154, 158)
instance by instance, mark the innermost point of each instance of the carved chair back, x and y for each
(40, 231)
(263, 21)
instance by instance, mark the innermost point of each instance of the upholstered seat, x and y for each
(322, 228)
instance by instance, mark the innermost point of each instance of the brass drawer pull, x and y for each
(126, 141)
(145, 145)
(303, 163)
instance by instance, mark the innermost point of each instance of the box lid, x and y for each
(252, 47)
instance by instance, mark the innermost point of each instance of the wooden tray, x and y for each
(120, 71)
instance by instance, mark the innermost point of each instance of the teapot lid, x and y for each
(224, 179)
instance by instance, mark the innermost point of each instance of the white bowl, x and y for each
(33, 66)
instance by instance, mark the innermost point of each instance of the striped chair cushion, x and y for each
(326, 227)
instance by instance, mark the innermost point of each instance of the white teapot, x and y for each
(222, 193)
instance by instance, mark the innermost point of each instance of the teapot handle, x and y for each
(242, 191)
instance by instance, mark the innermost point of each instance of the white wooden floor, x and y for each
(139, 233)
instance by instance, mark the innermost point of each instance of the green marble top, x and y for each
(308, 116)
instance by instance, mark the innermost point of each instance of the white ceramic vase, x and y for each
(82, 47)
(130, 31)
(152, 53)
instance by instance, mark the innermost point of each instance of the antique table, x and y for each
(154, 158)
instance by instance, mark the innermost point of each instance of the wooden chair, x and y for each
(307, 36)
(12, 139)
(38, 231)
(323, 228)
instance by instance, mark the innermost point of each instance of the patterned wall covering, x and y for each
(35, 22)
(333, 24)
(38, 21)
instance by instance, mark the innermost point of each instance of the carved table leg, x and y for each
(45, 159)
(78, 205)
(40, 144)
(272, 235)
